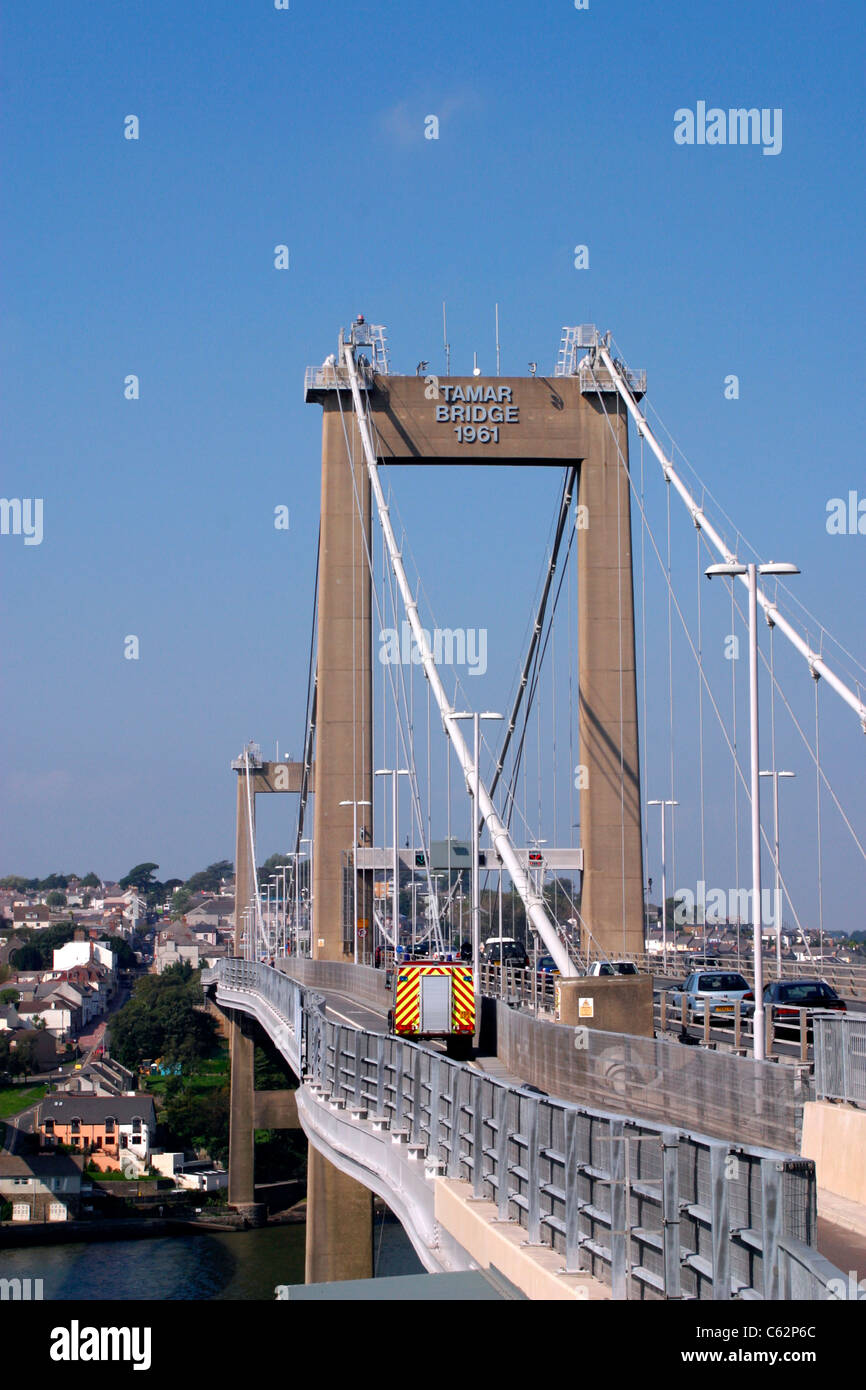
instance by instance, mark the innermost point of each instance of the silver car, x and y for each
(718, 991)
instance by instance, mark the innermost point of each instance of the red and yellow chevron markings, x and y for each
(407, 1007)
(462, 1000)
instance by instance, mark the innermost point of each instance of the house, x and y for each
(43, 1043)
(175, 945)
(211, 912)
(81, 953)
(9, 1018)
(108, 1126)
(30, 1011)
(41, 1188)
(35, 915)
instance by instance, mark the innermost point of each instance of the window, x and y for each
(49, 1126)
(109, 1124)
(76, 1125)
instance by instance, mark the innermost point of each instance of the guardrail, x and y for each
(847, 980)
(840, 1057)
(657, 1211)
(788, 1039)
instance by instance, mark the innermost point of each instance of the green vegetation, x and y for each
(114, 1175)
(17, 1061)
(124, 956)
(164, 1019)
(208, 880)
(9, 996)
(13, 1099)
(37, 953)
(180, 902)
(196, 1119)
(274, 861)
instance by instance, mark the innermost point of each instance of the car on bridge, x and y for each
(507, 950)
(612, 967)
(788, 999)
(716, 992)
(546, 965)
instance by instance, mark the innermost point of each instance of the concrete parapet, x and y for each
(362, 982)
(656, 1079)
(834, 1136)
(611, 1003)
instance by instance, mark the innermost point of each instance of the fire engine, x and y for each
(434, 999)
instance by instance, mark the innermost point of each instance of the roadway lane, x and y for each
(340, 1008)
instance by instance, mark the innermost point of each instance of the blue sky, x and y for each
(306, 127)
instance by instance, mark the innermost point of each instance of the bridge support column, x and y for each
(344, 702)
(339, 1224)
(242, 1051)
(610, 831)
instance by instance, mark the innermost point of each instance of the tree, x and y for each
(26, 958)
(198, 1121)
(53, 881)
(124, 956)
(162, 1019)
(56, 899)
(141, 877)
(38, 951)
(208, 880)
(273, 861)
(180, 901)
(90, 880)
(9, 996)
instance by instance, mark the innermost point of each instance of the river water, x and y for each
(241, 1265)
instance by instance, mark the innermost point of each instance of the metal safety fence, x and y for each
(654, 1210)
(840, 1057)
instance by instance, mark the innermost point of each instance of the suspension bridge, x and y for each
(537, 822)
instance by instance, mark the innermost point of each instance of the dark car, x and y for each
(788, 997)
(505, 951)
(547, 965)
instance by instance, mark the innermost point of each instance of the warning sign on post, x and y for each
(585, 1008)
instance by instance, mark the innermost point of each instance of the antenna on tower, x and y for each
(476, 370)
(446, 342)
(497, 340)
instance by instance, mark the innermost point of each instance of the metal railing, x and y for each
(840, 1057)
(847, 980)
(525, 989)
(326, 378)
(785, 1038)
(656, 1211)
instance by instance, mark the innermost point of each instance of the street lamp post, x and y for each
(476, 847)
(394, 773)
(354, 805)
(663, 804)
(750, 572)
(307, 841)
(777, 902)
